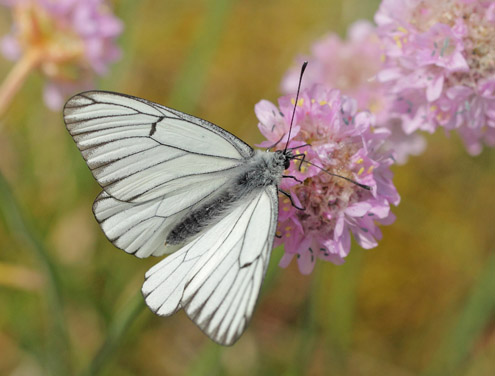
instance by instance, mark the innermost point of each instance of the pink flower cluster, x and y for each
(75, 39)
(440, 66)
(427, 65)
(343, 142)
(351, 66)
(339, 64)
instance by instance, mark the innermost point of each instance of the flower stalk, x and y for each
(17, 76)
(68, 42)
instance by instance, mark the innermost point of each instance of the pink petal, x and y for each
(339, 227)
(53, 97)
(364, 238)
(286, 259)
(388, 75)
(10, 48)
(306, 261)
(265, 111)
(434, 90)
(358, 209)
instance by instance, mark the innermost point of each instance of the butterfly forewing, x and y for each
(134, 148)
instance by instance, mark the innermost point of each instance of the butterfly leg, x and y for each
(276, 143)
(292, 177)
(301, 158)
(290, 198)
(298, 147)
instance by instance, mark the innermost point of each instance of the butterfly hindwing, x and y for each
(141, 228)
(216, 278)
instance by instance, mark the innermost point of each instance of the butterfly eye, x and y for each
(287, 163)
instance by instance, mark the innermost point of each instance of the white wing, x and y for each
(153, 163)
(139, 229)
(139, 150)
(216, 278)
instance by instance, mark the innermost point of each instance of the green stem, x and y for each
(207, 361)
(341, 306)
(118, 329)
(308, 335)
(23, 231)
(474, 318)
(187, 90)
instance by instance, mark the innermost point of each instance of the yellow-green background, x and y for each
(421, 303)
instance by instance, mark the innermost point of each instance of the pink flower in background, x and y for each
(69, 41)
(342, 142)
(348, 65)
(351, 66)
(440, 65)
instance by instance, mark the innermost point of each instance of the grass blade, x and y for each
(476, 314)
(20, 227)
(187, 90)
(118, 329)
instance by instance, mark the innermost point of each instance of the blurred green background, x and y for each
(421, 303)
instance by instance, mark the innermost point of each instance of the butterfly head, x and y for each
(283, 158)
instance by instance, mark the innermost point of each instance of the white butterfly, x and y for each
(175, 183)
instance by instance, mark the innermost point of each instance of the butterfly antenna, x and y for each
(275, 144)
(303, 68)
(364, 186)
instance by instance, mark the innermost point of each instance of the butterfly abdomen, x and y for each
(201, 218)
